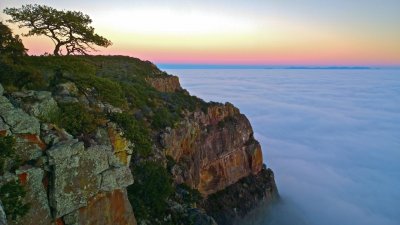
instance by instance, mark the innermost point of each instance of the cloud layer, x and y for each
(331, 136)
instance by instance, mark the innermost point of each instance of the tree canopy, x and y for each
(9, 44)
(69, 30)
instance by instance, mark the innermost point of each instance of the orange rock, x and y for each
(33, 139)
(111, 208)
(23, 178)
(59, 221)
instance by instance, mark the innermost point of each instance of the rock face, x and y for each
(239, 199)
(164, 83)
(213, 149)
(66, 182)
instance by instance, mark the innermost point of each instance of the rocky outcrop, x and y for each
(214, 149)
(164, 83)
(237, 200)
(66, 182)
(105, 208)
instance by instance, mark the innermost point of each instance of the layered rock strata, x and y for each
(213, 149)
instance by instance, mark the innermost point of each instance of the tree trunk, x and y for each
(57, 49)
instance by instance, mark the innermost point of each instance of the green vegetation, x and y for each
(10, 44)
(135, 132)
(148, 195)
(11, 195)
(7, 150)
(188, 194)
(76, 119)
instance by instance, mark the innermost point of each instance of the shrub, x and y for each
(7, 150)
(189, 195)
(164, 118)
(135, 132)
(11, 195)
(150, 191)
(76, 119)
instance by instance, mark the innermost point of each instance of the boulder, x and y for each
(39, 213)
(105, 208)
(18, 121)
(37, 103)
(75, 175)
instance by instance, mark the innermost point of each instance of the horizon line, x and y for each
(245, 66)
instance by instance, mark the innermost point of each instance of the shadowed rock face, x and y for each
(237, 200)
(213, 150)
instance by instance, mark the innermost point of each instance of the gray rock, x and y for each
(67, 89)
(26, 149)
(3, 219)
(72, 218)
(78, 173)
(39, 212)
(51, 134)
(116, 178)
(18, 121)
(37, 103)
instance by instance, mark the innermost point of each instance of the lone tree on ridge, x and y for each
(69, 30)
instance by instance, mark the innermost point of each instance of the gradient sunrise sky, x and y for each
(252, 32)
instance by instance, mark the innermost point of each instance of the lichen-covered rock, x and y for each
(51, 134)
(75, 175)
(122, 147)
(79, 174)
(39, 213)
(29, 146)
(105, 208)
(164, 83)
(213, 149)
(115, 178)
(37, 103)
(18, 121)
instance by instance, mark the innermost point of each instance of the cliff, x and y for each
(114, 140)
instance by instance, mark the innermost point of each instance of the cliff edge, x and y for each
(114, 140)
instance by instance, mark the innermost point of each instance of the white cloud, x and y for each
(331, 136)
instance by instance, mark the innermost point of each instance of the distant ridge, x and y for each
(216, 66)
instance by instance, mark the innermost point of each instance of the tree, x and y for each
(9, 44)
(69, 30)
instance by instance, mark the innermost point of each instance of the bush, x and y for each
(76, 119)
(20, 75)
(150, 191)
(7, 150)
(135, 132)
(11, 195)
(189, 195)
(164, 118)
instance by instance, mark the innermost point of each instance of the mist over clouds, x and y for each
(331, 136)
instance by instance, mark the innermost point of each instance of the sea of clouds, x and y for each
(332, 138)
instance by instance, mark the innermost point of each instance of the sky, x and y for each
(332, 138)
(257, 32)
